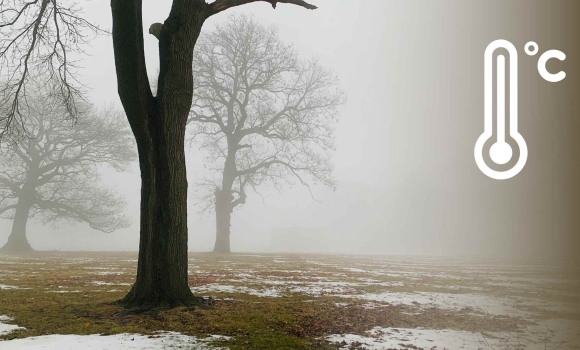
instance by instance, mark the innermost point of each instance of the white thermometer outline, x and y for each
(501, 153)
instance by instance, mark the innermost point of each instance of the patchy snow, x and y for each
(457, 301)
(404, 338)
(218, 288)
(3, 286)
(354, 269)
(319, 290)
(280, 287)
(7, 328)
(395, 338)
(102, 283)
(543, 299)
(125, 341)
(217, 338)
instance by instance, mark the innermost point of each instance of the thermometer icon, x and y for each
(501, 152)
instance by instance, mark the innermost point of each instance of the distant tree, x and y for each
(262, 116)
(46, 35)
(50, 172)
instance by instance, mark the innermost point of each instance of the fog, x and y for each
(407, 179)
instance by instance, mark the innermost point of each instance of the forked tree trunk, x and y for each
(158, 124)
(17, 242)
(223, 218)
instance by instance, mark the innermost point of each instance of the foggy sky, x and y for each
(408, 183)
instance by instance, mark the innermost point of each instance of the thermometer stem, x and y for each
(501, 99)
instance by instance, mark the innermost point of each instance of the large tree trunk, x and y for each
(162, 268)
(223, 218)
(17, 242)
(158, 124)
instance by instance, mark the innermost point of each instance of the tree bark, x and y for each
(162, 268)
(158, 124)
(223, 218)
(17, 242)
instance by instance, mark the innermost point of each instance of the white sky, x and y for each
(408, 183)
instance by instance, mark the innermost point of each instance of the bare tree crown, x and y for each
(54, 165)
(261, 113)
(43, 37)
(40, 36)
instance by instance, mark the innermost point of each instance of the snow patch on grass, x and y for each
(217, 338)
(559, 335)
(214, 287)
(3, 286)
(102, 283)
(396, 338)
(7, 328)
(125, 341)
(456, 301)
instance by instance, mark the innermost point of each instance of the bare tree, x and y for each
(158, 123)
(40, 36)
(51, 172)
(262, 115)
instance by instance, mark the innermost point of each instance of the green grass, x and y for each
(293, 321)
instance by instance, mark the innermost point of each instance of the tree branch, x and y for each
(36, 38)
(222, 5)
(267, 164)
(241, 193)
(5, 209)
(132, 80)
(10, 185)
(76, 214)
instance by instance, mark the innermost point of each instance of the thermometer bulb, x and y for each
(501, 152)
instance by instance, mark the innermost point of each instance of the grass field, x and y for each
(266, 301)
